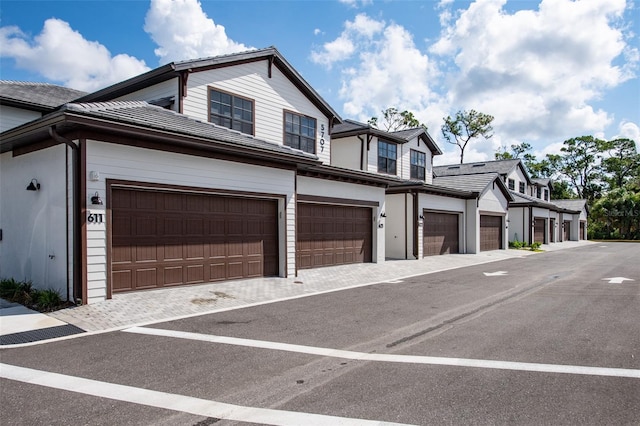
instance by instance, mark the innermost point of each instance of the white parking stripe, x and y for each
(409, 359)
(174, 402)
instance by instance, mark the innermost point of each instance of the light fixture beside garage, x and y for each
(34, 185)
(96, 200)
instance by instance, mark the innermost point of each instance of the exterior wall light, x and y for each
(34, 185)
(96, 200)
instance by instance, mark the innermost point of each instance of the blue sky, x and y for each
(547, 70)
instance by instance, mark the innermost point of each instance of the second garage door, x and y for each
(490, 232)
(170, 238)
(332, 235)
(441, 233)
(538, 230)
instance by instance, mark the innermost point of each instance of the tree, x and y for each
(622, 164)
(617, 215)
(465, 126)
(395, 120)
(517, 151)
(581, 164)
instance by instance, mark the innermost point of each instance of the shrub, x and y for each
(47, 300)
(535, 246)
(22, 292)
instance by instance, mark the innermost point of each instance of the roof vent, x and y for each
(479, 165)
(453, 167)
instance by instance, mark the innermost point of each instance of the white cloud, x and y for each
(183, 31)
(538, 71)
(55, 51)
(356, 3)
(629, 130)
(358, 32)
(384, 69)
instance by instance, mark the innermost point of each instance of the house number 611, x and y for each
(95, 217)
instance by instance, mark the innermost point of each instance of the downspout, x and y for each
(530, 225)
(416, 251)
(75, 158)
(361, 152)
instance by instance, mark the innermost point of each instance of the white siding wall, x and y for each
(33, 223)
(158, 91)
(328, 188)
(518, 217)
(398, 224)
(137, 164)
(494, 201)
(346, 152)
(404, 159)
(11, 117)
(518, 177)
(271, 96)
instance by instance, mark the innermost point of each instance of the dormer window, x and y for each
(538, 192)
(300, 132)
(387, 155)
(522, 188)
(418, 164)
(231, 111)
(512, 184)
(546, 195)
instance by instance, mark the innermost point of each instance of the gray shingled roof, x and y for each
(37, 95)
(541, 181)
(140, 113)
(475, 183)
(501, 167)
(573, 204)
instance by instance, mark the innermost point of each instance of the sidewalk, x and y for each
(19, 325)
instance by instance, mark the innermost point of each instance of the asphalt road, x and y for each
(543, 339)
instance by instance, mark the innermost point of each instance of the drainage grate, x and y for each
(42, 334)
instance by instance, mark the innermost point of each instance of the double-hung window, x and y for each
(546, 195)
(538, 192)
(522, 188)
(387, 156)
(230, 111)
(418, 164)
(300, 132)
(512, 184)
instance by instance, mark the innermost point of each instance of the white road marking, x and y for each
(174, 402)
(617, 280)
(407, 359)
(495, 274)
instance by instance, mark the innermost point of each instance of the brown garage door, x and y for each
(170, 238)
(490, 232)
(332, 235)
(538, 230)
(566, 230)
(440, 231)
(552, 230)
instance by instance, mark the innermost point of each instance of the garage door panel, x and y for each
(538, 230)
(490, 232)
(196, 245)
(333, 235)
(440, 233)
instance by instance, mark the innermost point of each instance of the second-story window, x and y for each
(512, 184)
(538, 192)
(387, 155)
(418, 164)
(300, 132)
(546, 195)
(230, 111)
(522, 188)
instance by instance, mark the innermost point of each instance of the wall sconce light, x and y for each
(421, 217)
(383, 214)
(34, 185)
(95, 200)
